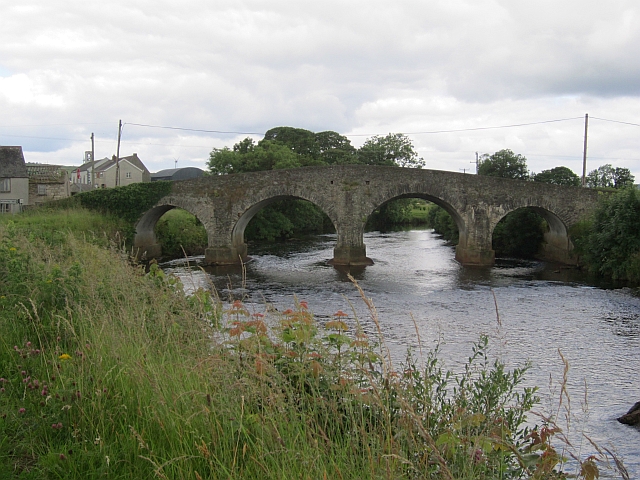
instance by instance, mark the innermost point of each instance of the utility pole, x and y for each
(118, 154)
(476, 162)
(93, 164)
(584, 151)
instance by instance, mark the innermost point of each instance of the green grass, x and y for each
(111, 372)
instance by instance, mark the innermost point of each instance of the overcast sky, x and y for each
(69, 68)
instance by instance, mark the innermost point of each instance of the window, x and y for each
(42, 189)
(5, 208)
(5, 184)
(128, 174)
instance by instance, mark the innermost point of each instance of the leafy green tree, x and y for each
(393, 149)
(301, 141)
(248, 157)
(504, 164)
(601, 177)
(558, 176)
(622, 178)
(324, 148)
(335, 149)
(612, 245)
(606, 176)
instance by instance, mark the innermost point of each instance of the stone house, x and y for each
(14, 180)
(46, 183)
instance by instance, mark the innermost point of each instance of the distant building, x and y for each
(132, 170)
(14, 180)
(46, 183)
(183, 173)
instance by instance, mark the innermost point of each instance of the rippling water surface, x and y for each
(419, 289)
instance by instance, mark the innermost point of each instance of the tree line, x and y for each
(507, 164)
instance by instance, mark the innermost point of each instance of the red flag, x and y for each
(78, 174)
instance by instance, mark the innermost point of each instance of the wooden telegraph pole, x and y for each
(584, 150)
(118, 154)
(93, 164)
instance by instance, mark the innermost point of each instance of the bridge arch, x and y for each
(237, 231)
(145, 242)
(557, 245)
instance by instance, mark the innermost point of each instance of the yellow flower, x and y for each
(12, 249)
(64, 356)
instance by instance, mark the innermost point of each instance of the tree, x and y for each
(601, 177)
(612, 244)
(394, 149)
(605, 176)
(301, 141)
(504, 164)
(558, 176)
(335, 149)
(622, 178)
(248, 157)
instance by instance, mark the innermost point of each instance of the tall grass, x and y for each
(108, 371)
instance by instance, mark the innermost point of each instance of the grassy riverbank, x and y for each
(108, 371)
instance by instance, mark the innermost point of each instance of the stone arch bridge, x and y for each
(348, 194)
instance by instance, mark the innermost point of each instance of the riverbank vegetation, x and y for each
(609, 243)
(110, 371)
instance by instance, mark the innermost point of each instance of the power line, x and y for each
(192, 129)
(474, 128)
(616, 121)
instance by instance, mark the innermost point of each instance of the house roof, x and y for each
(87, 166)
(181, 173)
(12, 163)
(132, 159)
(42, 172)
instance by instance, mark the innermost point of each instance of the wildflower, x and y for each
(340, 313)
(62, 457)
(28, 344)
(337, 325)
(12, 249)
(304, 304)
(22, 410)
(64, 356)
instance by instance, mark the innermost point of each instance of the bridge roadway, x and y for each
(348, 194)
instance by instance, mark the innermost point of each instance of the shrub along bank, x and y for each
(106, 371)
(609, 243)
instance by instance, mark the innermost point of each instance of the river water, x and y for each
(530, 311)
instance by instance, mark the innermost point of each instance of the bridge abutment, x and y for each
(350, 256)
(474, 256)
(226, 255)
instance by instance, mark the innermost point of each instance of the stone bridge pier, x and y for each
(349, 194)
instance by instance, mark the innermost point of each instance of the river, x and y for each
(416, 283)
